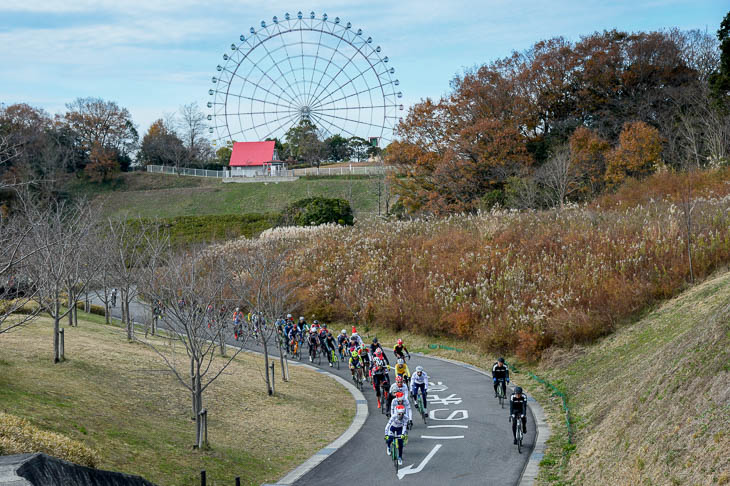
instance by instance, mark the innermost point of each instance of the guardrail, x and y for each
(164, 169)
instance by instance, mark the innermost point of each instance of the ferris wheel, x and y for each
(304, 68)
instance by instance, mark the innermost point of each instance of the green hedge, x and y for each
(313, 211)
(185, 230)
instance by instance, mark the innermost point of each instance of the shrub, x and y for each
(314, 211)
(18, 436)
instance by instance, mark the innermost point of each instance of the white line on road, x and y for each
(438, 437)
(411, 470)
(447, 426)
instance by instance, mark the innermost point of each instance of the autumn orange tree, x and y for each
(638, 153)
(506, 120)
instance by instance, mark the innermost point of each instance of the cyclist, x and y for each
(312, 340)
(380, 375)
(342, 341)
(401, 369)
(402, 399)
(293, 336)
(395, 388)
(396, 427)
(366, 358)
(419, 382)
(303, 326)
(237, 323)
(500, 374)
(517, 411)
(355, 337)
(399, 349)
(288, 326)
(331, 344)
(375, 347)
(355, 363)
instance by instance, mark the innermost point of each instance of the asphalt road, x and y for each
(468, 439)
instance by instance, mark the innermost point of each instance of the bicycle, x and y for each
(334, 359)
(296, 351)
(501, 392)
(384, 393)
(357, 378)
(420, 408)
(519, 436)
(312, 352)
(394, 449)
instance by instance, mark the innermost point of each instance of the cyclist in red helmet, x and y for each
(401, 351)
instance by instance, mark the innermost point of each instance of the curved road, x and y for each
(468, 439)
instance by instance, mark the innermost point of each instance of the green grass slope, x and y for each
(165, 196)
(118, 399)
(652, 401)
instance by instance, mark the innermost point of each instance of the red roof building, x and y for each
(248, 154)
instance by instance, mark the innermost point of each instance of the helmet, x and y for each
(378, 352)
(419, 369)
(288, 316)
(375, 340)
(329, 334)
(399, 379)
(518, 390)
(324, 325)
(400, 341)
(301, 318)
(501, 360)
(238, 309)
(399, 396)
(354, 331)
(400, 409)
(343, 332)
(353, 354)
(316, 322)
(400, 361)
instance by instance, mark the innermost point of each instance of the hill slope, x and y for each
(165, 196)
(652, 401)
(120, 400)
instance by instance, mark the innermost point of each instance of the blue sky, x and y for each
(153, 56)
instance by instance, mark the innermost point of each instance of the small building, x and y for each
(252, 159)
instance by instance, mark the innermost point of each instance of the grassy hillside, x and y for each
(118, 399)
(164, 196)
(652, 401)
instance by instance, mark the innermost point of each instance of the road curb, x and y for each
(532, 467)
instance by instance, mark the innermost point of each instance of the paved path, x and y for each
(468, 439)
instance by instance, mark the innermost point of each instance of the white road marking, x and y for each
(439, 437)
(402, 472)
(464, 414)
(447, 426)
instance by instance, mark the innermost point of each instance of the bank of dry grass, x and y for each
(118, 399)
(652, 401)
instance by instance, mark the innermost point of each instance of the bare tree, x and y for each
(58, 229)
(192, 128)
(134, 244)
(559, 176)
(260, 277)
(191, 287)
(16, 289)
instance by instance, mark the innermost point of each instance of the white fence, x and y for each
(309, 171)
(164, 169)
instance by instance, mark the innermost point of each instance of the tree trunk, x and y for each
(76, 315)
(106, 310)
(266, 364)
(281, 361)
(56, 330)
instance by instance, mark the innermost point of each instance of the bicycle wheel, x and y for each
(394, 453)
(519, 438)
(336, 359)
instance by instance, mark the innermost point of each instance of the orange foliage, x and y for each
(638, 153)
(102, 164)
